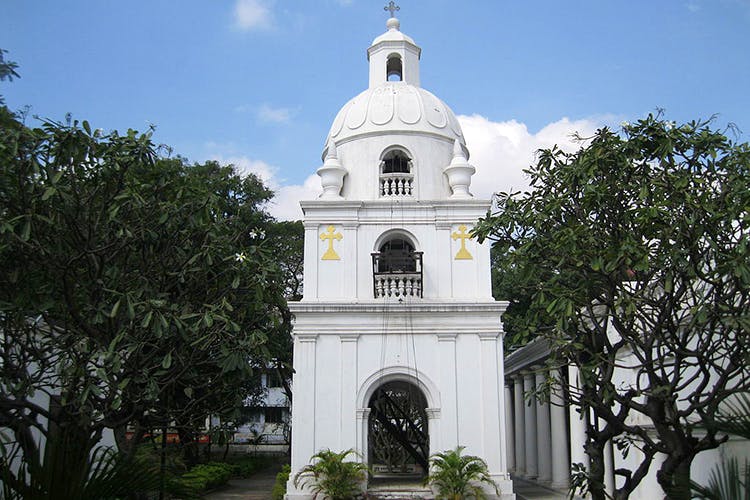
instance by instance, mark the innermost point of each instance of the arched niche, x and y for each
(394, 68)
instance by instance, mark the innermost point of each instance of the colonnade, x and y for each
(537, 428)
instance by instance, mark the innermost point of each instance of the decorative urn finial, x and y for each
(459, 173)
(331, 174)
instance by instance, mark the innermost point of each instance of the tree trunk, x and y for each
(66, 458)
(188, 444)
(595, 452)
(674, 477)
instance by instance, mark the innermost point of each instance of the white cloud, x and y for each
(500, 151)
(244, 165)
(285, 203)
(252, 14)
(268, 114)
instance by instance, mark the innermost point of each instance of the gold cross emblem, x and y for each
(330, 236)
(462, 254)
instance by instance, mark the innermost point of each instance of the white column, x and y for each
(530, 425)
(434, 430)
(449, 412)
(510, 449)
(490, 403)
(363, 421)
(518, 424)
(577, 424)
(303, 405)
(348, 397)
(544, 439)
(560, 464)
(609, 468)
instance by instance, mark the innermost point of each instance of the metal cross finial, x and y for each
(392, 7)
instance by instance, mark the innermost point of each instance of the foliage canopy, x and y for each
(134, 288)
(635, 254)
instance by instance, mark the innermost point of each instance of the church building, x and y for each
(398, 342)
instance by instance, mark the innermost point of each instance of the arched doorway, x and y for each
(398, 435)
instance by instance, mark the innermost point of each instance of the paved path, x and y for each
(527, 490)
(256, 487)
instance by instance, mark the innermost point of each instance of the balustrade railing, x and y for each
(397, 274)
(405, 285)
(396, 185)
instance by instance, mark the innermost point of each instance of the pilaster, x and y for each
(490, 403)
(347, 421)
(447, 356)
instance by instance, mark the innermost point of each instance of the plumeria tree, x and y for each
(135, 289)
(635, 254)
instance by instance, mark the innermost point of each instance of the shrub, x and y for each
(455, 476)
(206, 476)
(331, 476)
(279, 488)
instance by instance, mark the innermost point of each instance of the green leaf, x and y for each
(115, 309)
(167, 361)
(147, 319)
(26, 230)
(48, 193)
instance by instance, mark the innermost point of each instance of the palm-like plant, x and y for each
(457, 476)
(729, 480)
(330, 476)
(107, 476)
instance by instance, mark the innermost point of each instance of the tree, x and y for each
(635, 251)
(7, 71)
(134, 289)
(287, 241)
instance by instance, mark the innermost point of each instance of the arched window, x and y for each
(396, 177)
(396, 162)
(397, 267)
(397, 256)
(394, 68)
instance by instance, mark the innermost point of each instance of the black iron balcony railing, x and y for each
(397, 274)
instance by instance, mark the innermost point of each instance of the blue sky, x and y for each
(258, 82)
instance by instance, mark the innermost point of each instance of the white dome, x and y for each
(395, 107)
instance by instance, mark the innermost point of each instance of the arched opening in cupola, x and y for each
(396, 177)
(396, 162)
(394, 69)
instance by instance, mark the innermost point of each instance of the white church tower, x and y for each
(398, 343)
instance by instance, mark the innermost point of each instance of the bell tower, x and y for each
(398, 343)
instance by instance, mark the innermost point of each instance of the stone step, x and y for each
(399, 495)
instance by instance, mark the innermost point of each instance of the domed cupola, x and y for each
(395, 117)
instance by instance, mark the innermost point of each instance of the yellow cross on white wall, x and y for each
(462, 254)
(330, 236)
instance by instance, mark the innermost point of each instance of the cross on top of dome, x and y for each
(392, 7)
